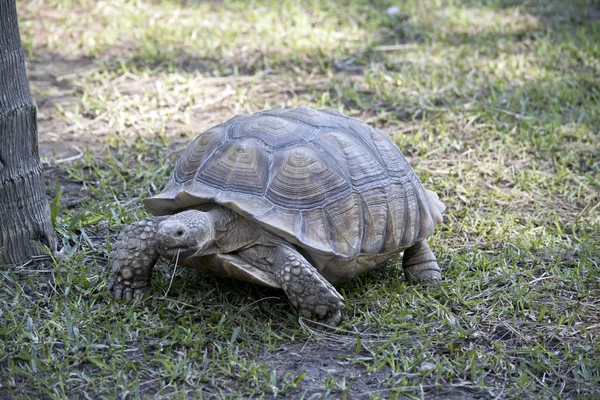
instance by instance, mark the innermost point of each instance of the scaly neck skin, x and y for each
(232, 231)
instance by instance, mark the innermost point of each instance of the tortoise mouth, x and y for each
(178, 250)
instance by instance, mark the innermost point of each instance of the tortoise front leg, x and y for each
(132, 258)
(307, 289)
(420, 264)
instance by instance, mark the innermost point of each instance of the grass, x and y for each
(496, 105)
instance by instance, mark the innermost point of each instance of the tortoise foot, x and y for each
(308, 291)
(124, 290)
(124, 284)
(132, 259)
(420, 264)
(332, 318)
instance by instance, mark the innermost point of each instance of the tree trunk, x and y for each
(24, 209)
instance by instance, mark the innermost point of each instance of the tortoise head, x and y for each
(187, 233)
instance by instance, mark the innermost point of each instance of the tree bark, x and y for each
(24, 208)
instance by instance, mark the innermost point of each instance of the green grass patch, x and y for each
(494, 102)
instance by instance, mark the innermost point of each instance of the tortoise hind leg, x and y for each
(420, 264)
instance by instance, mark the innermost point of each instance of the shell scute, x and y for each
(272, 131)
(362, 166)
(312, 118)
(375, 215)
(303, 179)
(198, 152)
(345, 225)
(239, 166)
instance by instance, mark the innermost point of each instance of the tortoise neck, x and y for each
(232, 231)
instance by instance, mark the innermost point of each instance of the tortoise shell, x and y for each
(329, 184)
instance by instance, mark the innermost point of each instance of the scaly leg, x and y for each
(132, 258)
(420, 264)
(307, 289)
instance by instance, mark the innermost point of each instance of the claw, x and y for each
(138, 293)
(128, 294)
(334, 319)
(118, 292)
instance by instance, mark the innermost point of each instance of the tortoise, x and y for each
(297, 199)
